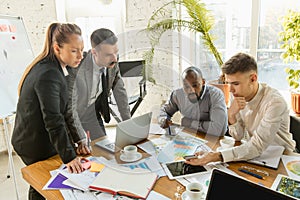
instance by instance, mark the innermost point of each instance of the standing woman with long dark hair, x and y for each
(40, 128)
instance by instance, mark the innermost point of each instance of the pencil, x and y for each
(251, 173)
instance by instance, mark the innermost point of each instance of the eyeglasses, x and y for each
(257, 171)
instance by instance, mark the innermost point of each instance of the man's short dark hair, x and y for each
(194, 70)
(240, 62)
(103, 36)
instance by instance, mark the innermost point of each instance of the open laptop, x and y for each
(226, 186)
(128, 132)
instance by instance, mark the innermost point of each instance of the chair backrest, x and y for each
(131, 68)
(131, 72)
(295, 130)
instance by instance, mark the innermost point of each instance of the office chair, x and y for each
(295, 130)
(132, 69)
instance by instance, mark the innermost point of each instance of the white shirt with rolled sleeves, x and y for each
(264, 121)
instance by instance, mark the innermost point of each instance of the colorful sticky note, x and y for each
(96, 167)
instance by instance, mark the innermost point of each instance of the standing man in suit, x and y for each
(96, 76)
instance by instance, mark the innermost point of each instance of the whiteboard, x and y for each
(15, 54)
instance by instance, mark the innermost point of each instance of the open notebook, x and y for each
(270, 157)
(136, 183)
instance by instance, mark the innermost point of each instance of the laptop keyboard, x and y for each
(111, 146)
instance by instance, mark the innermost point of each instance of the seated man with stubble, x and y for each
(202, 106)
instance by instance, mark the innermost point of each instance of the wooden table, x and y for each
(37, 174)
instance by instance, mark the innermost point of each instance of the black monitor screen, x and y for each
(226, 186)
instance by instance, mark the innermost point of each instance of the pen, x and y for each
(88, 139)
(169, 130)
(251, 173)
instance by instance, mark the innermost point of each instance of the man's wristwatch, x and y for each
(162, 121)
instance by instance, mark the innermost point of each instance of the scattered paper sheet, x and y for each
(269, 157)
(149, 163)
(180, 146)
(287, 185)
(75, 195)
(292, 165)
(156, 129)
(56, 182)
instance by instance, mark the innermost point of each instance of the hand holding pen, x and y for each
(165, 123)
(84, 146)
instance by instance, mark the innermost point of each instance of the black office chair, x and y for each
(132, 69)
(295, 130)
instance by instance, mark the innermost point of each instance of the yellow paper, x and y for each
(96, 167)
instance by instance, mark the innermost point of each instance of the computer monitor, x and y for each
(226, 186)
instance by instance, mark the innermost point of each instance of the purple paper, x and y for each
(58, 182)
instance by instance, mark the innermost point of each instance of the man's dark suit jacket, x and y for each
(40, 127)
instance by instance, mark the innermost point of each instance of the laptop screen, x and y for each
(226, 186)
(133, 130)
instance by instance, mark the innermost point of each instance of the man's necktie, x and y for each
(104, 99)
(99, 88)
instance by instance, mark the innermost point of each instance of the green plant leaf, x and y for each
(200, 20)
(290, 36)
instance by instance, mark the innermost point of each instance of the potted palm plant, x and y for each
(290, 36)
(200, 20)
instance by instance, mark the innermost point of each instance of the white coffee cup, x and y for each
(227, 143)
(194, 190)
(129, 151)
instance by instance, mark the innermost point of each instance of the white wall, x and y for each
(164, 67)
(37, 15)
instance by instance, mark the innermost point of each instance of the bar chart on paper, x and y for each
(182, 145)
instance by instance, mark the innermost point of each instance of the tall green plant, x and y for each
(200, 20)
(290, 36)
